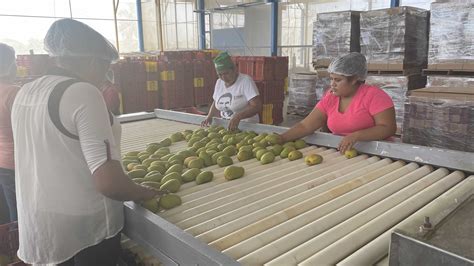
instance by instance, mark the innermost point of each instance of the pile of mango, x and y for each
(157, 167)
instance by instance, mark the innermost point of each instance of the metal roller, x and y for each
(340, 210)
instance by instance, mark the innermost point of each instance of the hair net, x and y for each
(7, 59)
(352, 64)
(68, 37)
(223, 62)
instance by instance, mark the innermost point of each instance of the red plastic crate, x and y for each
(36, 65)
(264, 68)
(281, 67)
(277, 113)
(247, 65)
(168, 85)
(271, 91)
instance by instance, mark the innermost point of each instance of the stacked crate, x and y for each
(174, 80)
(395, 43)
(305, 90)
(395, 39)
(442, 114)
(269, 74)
(334, 34)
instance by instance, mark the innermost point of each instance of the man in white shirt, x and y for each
(235, 96)
(70, 182)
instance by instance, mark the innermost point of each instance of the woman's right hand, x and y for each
(206, 122)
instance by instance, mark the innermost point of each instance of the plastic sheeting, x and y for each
(451, 32)
(305, 91)
(335, 34)
(395, 36)
(440, 121)
(397, 87)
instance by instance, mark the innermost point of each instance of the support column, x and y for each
(274, 27)
(140, 26)
(201, 24)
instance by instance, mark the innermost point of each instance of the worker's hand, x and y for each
(234, 122)
(347, 143)
(150, 193)
(206, 122)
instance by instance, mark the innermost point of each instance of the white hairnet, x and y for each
(352, 64)
(68, 37)
(7, 59)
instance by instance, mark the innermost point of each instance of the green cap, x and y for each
(223, 62)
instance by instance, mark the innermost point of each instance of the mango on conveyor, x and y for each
(313, 159)
(244, 155)
(151, 184)
(151, 205)
(170, 176)
(350, 153)
(233, 172)
(137, 173)
(284, 153)
(267, 158)
(172, 186)
(178, 136)
(224, 161)
(295, 155)
(169, 201)
(204, 177)
(177, 168)
(190, 175)
(196, 163)
(300, 144)
(166, 142)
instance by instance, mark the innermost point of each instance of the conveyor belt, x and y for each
(287, 213)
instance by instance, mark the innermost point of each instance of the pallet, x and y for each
(457, 65)
(404, 72)
(448, 72)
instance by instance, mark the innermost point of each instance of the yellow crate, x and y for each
(151, 66)
(198, 82)
(152, 85)
(267, 114)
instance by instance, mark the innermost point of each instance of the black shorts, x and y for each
(105, 253)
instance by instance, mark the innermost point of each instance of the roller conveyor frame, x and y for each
(173, 246)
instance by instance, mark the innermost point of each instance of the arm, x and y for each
(254, 107)
(111, 181)
(83, 110)
(315, 120)
(213, 112)
(385, 126)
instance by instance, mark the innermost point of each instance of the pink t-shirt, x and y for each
(367, 102)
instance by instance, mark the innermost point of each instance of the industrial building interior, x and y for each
(306, 171)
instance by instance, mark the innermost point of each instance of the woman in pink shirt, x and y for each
(351, 108)
(7, 95)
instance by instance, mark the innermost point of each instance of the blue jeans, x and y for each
(7, 184)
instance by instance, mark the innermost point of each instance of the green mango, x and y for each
(137, 173)
(172, 186)
(295, 155)
(152, 147)
(216, 156)
(196, 163)
(191, 174)
(151, 184)
(166, 142)
(244, 155)
(284, 153)
(138, 180)
(169, 201)
(267, 158)
(176, 137)
(224, 161)
(151, 205)
(177, 168)
(170, 176)
(260, 153)
(230, 151)
(132, 153)
(300, 144)
(234, 172)
(204, 177)
(276, 149)
(156, 177)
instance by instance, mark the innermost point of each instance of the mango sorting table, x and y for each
(286, 213)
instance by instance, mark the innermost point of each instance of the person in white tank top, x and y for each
(70, 191)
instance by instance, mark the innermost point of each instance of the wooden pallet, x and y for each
(455, 65)
(448, 72)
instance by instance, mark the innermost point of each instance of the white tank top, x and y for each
(60, 212)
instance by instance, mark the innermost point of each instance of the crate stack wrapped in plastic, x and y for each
(451, 39)
(441, 115)
(397, 87)
(335, 33)
(395, 38)
(304, 91)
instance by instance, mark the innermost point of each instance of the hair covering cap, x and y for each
(71, 38)
(352, 64)
(223, 62)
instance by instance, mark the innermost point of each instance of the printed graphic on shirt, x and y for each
(224, 104)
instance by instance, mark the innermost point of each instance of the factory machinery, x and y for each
(413, 201)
